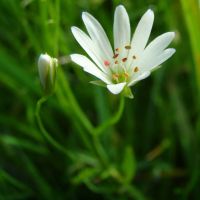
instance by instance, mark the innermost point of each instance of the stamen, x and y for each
(124, 59)
(116, 55)
(136, 69)
(106, 63)
(117, 49)
(116, 62)
(126, 75)
(134, 57)
(115, 77)
(128, 47)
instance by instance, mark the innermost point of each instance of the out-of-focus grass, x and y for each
(192, 14)
(159, 127)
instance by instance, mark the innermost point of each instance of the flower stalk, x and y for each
(45, 133)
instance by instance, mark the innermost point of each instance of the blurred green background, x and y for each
(152, 152)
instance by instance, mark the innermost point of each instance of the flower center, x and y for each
(120, 77)
(122, 65)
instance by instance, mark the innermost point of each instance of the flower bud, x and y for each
(47, 67)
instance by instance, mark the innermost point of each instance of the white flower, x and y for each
(47, 67)
(131, 60)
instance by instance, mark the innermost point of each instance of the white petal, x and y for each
(121, 29)
(89, 46)
(98, 35)
(89, 67)
(140, 37)
(139, 78)
(142, 32)
(44, 63)
(155, 62)
(116, 88)
(152, 65)
(159, 44)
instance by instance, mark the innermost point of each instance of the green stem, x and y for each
(99, 130)
(94, 132)
(44, 131)
(57, 26)
(113, 120)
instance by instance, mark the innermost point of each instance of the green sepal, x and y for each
(49, 87)
(99, 83)
(127, 92)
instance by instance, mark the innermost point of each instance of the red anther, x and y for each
(116, 55)
(106, 63)
(116, 62)
(117, 49)
(124, 59)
